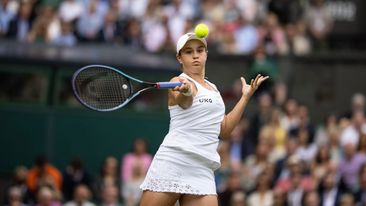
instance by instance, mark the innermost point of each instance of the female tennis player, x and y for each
(183, 167)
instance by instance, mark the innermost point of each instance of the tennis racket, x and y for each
(103, 88)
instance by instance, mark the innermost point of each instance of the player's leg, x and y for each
(150, 198)
(201, 200)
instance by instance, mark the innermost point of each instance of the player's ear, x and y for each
(179, 58)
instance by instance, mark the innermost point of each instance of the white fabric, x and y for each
(178, 171)
(70, 10)
(73, 203)
(258, 199)
(350, 135)
(197, 128)
(188, 156)
(330, 197)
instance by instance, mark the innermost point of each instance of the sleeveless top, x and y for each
(196, 129)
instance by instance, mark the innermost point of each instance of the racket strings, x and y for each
(102, 88)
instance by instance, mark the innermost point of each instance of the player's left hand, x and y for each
(248, 90)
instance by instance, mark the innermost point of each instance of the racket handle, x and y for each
(167, 84)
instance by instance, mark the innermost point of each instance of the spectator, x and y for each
(322, 163)
(304, 122)
(356, 130)
(236, 143)
(153, 30)
(238, 199)
(350, 165)
(139, 156)
(15, 197)
(176, 16)
(279, 197)
(227, 45)
(249, 9)
(90, 22)
(246, 37)
(360, 194)
(110, 196)
(259, 119)
(254, 165)
(357, 104)
(70, 10)
(265, 65)
(43, 174)
(276, 136)
(222, 173)
(132, 35)
(233, 186)
(311, 198)
(319, 22)
(274, 39)
(66, 37)
(46, 196)
(335, 150)
(74, 175)
(295, 182)
(133, 8)
(8, 9)
(347, 200)
(329, 191)
(82, 197)
(108, 176)
(282, 169)
(131, 191)
(300, 43)
(287, 11)
(212, 10)
(20, 26)
(18, 184)
(307, 149)
(280, 92)
(263, 193)
(46, 26)
(110, 31)
(290, 120)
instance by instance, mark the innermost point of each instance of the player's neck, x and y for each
(197, 76)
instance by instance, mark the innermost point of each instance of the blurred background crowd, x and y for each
(281, 27)
(277, 156)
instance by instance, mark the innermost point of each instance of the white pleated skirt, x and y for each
(178, 171)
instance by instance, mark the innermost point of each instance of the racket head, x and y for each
(103, 88)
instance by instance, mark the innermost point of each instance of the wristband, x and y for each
(187, 94)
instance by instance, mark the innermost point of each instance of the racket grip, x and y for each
(167, 84)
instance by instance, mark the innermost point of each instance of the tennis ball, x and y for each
(124, 86)
(201, 30)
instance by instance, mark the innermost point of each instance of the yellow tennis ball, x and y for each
(201, 30)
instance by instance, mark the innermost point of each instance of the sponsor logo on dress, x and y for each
(205, 100)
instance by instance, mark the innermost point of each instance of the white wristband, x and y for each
(187, 94)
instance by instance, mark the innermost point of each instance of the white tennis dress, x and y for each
(187, 158)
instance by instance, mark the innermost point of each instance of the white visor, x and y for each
(185, 38)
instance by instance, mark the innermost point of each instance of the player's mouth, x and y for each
(196, 63)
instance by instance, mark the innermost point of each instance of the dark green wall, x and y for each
(66, 133)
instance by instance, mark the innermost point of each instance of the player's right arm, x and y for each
(181, 95)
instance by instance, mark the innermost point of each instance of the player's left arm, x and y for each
(232, 118)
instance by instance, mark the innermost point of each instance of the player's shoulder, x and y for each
(174, 79)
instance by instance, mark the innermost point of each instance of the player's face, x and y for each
(193, 55)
